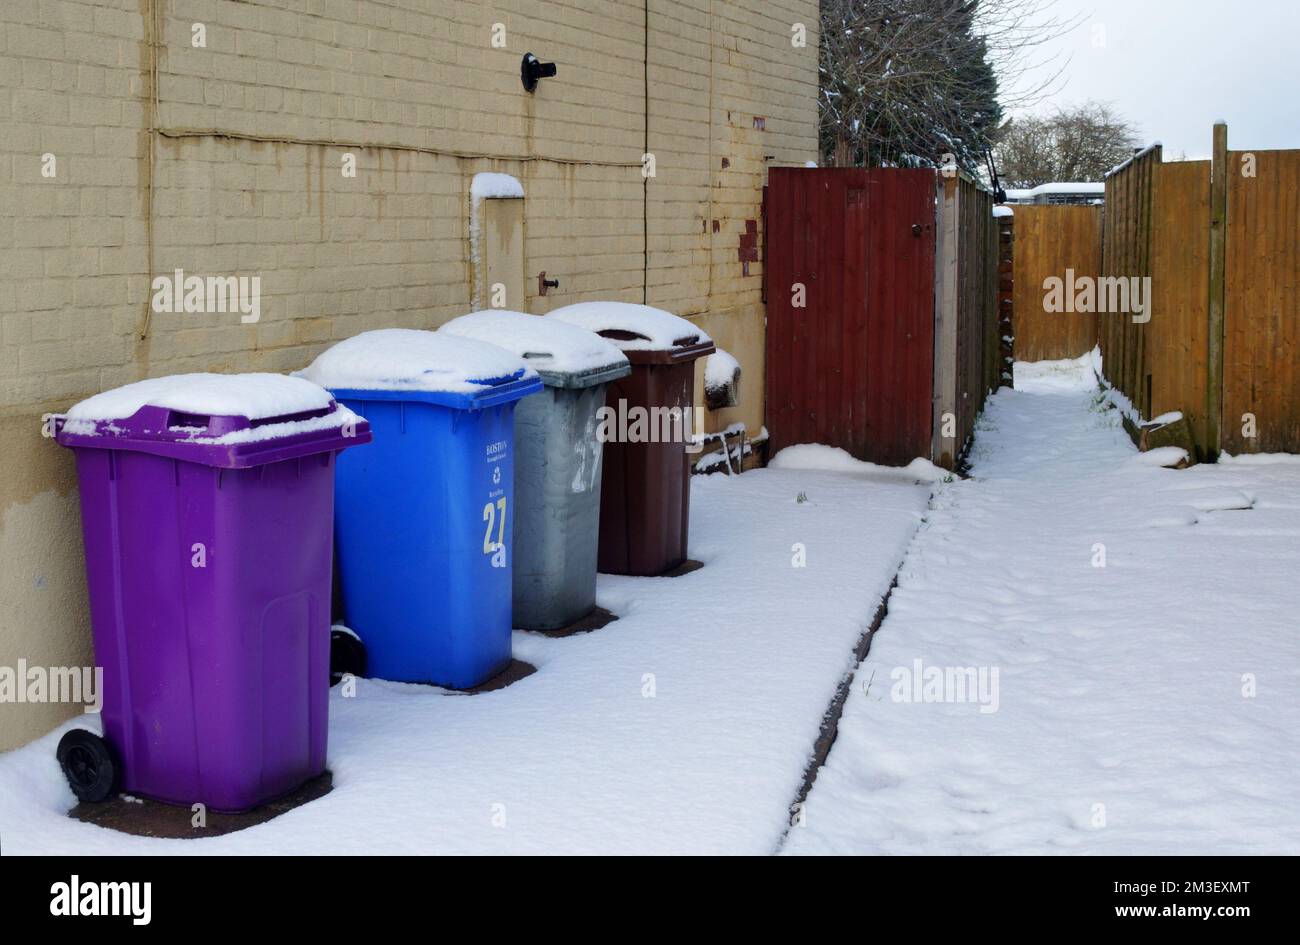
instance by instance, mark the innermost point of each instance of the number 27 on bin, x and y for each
(495, 515)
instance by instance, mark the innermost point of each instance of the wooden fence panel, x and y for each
(1261, 352)
(979, 253)
(992, 254)
(1126, 254)
(851, 365)
(966, 339)
(1049, 239)
(1159, 222)
(1114, 240)
(873, 359)
(1176, 335)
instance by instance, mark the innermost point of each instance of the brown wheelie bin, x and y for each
(645, 485)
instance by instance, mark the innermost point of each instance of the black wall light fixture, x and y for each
(532, 69)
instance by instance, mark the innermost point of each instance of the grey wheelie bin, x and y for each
(558, 460)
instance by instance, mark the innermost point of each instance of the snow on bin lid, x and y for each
(410, 359)
(632, 327)
(555, 348)
(253, 396)
(228, 420)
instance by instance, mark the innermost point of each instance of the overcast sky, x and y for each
(1174, 67)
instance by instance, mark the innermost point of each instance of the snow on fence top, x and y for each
(411, 359)
(255, 396)
(489, 186)
(652, 328)
(547, 344)
(1136, 154)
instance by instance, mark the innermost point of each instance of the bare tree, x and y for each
(907, 81)
(1071, 144)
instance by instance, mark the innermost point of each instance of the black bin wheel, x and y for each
(347, 655)
(89, 765)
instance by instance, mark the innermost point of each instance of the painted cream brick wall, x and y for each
(226, 160)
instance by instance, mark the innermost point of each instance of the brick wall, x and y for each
(226, 160)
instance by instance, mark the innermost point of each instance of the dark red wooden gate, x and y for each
(854, 367)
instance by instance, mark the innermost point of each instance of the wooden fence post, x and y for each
(944, 449)
(1218, 268)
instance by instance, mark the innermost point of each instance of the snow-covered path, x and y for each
(1148, 706)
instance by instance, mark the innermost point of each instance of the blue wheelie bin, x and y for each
(422, 525)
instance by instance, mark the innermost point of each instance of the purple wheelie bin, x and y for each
(207, 506)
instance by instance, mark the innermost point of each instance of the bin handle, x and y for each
(693, 351)
(503, 393)
(228, 422)
(671, 355)
(178, 418)
(293, 417)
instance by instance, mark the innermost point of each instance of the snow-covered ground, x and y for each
(1148, 706)
(684, 727)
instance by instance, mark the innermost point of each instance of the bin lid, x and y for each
(232, 421)
(645, 334)
(564, 355)
(412, 364)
